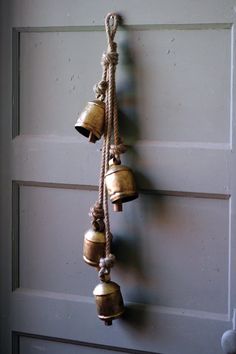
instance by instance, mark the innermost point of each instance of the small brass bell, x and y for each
(109, 301)
(120, 185)
(94, 247)
(91, 121)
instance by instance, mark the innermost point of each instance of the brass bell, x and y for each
(91, 121)
(109, 301)
(94, 247)
(120, 185)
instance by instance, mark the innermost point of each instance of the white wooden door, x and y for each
(176, 244)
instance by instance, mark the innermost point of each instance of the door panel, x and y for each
(35, 345)
(193, 104)
(175, 245)
(180, 231)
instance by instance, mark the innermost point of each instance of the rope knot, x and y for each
(117, 150)
(110, 58)
(97, 213)
(100, 89)
(106, 264)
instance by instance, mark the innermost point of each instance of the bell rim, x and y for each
(85, 129)
(110, 317)
(89, 262)
(123, 197)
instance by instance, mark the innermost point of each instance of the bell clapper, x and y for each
(117, 207)
(92, 138)
(108, 322)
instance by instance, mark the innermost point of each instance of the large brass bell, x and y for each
(91, 121)
(94, 247)
(109, 301)
(120, 185)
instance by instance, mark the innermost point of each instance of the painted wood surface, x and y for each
(176, 244)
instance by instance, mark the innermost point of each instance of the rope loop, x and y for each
(111, 24)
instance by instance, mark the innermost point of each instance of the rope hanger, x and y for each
(100, 117)
(108, 85)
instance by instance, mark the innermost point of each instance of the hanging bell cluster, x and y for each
(100, 117)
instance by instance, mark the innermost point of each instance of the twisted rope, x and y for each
(105, 90)
(109, 60)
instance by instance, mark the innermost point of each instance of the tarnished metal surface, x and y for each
(109, 301)
(91, 121)
(94, 247)
(120, 184)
